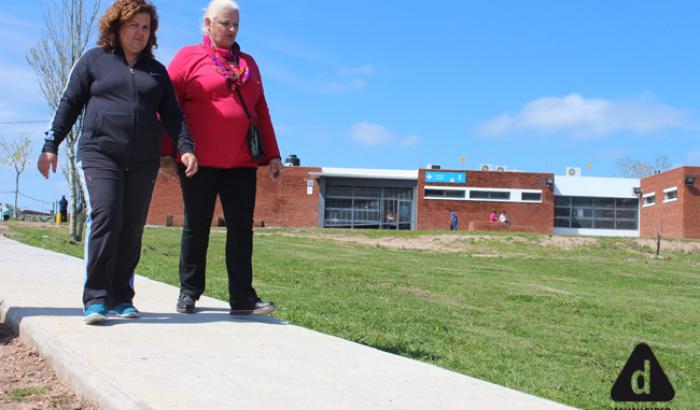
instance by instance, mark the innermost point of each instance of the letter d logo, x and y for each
(642, 379)
(645, 376)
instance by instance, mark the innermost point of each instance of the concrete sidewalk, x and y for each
(211, 360)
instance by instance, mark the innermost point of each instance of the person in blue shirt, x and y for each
(454, 220)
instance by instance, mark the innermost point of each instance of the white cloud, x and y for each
(581, 117)
(611, 154)
(335, 87)
(410, 141)
(371, 134)
(363, 70)
(374, 134)
(320, 85)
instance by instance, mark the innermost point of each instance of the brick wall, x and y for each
(677, 219)
(533, 217)
(286, 203)
(283, 203)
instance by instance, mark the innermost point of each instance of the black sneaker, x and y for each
(258, 308)
(185, 304)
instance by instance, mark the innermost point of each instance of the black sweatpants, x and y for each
(117, 207)
(236, 189)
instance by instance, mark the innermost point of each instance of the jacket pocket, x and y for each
(112, 133)
(148, 136)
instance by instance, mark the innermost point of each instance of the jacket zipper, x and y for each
(134, 114)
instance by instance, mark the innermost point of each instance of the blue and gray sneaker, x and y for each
(126, 310)
(95, 314)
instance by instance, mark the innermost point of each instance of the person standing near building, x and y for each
(221, 93)
(492, 216)
(122, 90)
(503, 218)
(4, 213)
(454, 220)
(63, 209)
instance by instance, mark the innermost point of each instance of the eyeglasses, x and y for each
(228, 25)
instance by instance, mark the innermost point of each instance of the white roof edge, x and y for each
(367, 173)
(602, 187)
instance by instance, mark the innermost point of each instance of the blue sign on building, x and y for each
(446, 177)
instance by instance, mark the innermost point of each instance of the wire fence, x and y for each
(9, 198)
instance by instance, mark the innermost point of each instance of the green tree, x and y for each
(637, 169)
(15, 154)
(68, 26)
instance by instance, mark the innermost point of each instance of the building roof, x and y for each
(595, 186)
(411, 175)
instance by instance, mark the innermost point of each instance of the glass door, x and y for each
(404, 221)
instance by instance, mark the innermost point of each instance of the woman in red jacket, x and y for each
(206, 77)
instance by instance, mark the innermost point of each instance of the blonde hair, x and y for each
(214, 8)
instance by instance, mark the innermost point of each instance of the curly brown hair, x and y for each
(117, 14)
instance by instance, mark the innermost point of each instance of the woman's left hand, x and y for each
(275, 168)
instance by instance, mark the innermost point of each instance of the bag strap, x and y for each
(245, 108)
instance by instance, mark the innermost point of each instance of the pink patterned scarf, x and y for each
(227, 62)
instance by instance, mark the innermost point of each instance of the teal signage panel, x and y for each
(446, 177)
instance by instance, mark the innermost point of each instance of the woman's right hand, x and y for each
(47, 161)
(190, 163)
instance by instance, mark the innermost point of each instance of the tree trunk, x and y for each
(14, 211)
(658, 243)
(77, 217)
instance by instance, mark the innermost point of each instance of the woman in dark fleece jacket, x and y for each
(122, 89)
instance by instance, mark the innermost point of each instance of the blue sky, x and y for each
(533, 85)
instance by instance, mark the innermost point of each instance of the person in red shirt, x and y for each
(492, 216)
(207, 78)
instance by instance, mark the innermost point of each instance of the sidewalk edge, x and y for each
(86, 381)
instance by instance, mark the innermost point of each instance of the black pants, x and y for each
(117, 207)
(236, 189)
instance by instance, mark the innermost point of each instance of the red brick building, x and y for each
(292, 201)
(422, 199)
(671, 204)
(360, 198)
(526, 197)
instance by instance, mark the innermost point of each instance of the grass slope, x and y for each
(557, 323)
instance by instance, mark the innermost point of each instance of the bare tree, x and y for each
(68, 26)
(15, 154)
(637, 169)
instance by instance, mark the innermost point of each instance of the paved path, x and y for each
(211, 360)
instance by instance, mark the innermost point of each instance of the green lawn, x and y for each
(551, 321)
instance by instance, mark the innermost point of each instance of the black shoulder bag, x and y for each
(255, 143)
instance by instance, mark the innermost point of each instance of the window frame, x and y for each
(668, 191)
(645, 197)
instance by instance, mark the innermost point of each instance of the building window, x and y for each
(444, 193)
(649, 199)
(368, 207)
(670, 194)
(531, 196)
(493, 195)
(596, 213)
(482, 194)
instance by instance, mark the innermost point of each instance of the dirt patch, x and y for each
(670, 245)
(432, 243)
(27, 380)
(421, 292)
(567, 242)
(5, 229)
